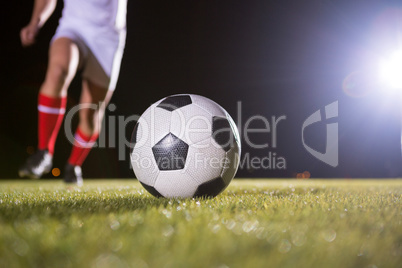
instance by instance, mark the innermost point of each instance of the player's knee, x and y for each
(58, 73)
(57, 76)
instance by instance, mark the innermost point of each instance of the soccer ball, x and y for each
(185, 146)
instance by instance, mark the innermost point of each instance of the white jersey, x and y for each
(101, 13)
(98, 27)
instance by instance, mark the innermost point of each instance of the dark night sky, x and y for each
(278, 58)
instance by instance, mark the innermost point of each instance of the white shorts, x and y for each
(101, 49)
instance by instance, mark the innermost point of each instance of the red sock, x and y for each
(81, 148)
(51, 113)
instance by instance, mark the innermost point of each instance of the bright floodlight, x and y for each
(391, 70)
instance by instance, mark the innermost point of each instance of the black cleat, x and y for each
(36, 165)
(73, 175)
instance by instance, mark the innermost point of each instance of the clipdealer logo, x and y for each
(331, 155)
(253, 125)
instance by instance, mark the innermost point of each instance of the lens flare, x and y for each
(56, 172)
(357, 84)
(306, 175)
(390, 70)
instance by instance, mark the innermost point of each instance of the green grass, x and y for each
(254, 223)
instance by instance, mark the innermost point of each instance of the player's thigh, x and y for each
(64, 57)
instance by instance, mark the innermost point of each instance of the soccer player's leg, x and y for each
(94, 99)
(63, 63)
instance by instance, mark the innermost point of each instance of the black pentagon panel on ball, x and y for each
(151, 190)
(170, 153)
(222, 132)
(175, 102)
(134, 137)
(210, 188)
